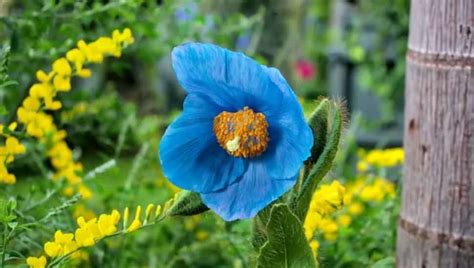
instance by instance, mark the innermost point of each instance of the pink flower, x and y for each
(305, 69)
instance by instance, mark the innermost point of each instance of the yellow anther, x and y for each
(243, 133)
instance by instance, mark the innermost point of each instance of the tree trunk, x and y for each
(436, 227)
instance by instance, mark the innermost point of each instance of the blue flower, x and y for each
(242, 136)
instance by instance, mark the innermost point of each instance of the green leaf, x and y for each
(259, 232)
(322, 166)
(287, 245)
(3, 110)
(187, 204)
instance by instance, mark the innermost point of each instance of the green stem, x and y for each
(236, 250)
(121, 232)
(4, 246)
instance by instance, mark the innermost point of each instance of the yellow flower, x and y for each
(61, 67)
(91, 226)
(372, 193)
(328, 226)
(89, 52)
(344, 220)
(84, 73)
(105, 45)
(107, 224)
(84, 238)
(328, 198)
(53, 249)
(329, 229)
(157, 211)
(385, 158)
(386, 186)
(7, 178)
(84, 191)
(70, 247)
(31, 104)
(76, 56)
(127, 37)
(115, 216)
(34, 262)
(12, 126)
(314, 247)
(63, 238)
(13, 146)
(52, 105)
(43, 77)
(62, 83)
(311, 223)
(42, 90)
(148, 211)
(356, 208)
(126, 214)
(362, 166)
(136, 223)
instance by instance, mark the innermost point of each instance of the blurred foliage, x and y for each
(373, 37)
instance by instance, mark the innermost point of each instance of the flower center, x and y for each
(242, 134)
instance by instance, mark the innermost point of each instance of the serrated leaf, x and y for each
(187, 204)
(287, 245)
(322, 166)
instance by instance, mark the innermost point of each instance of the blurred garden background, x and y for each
(107, 125)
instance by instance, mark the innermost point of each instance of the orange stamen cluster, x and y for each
(243, 133)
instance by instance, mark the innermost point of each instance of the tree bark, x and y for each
(436, 227)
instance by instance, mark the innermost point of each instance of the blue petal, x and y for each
(291, 139)
(189, 153)
(230, 79)
(245, 198)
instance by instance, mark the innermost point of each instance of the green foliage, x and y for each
(286, 245)
(372, 36)
(6, 211)
(5, 80)
(369, 241)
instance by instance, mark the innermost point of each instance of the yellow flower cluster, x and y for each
(363, 191)
(350, 202)
(43, 97)
(326, 200)
(89, 232)
(8, 151)
(380, 158)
